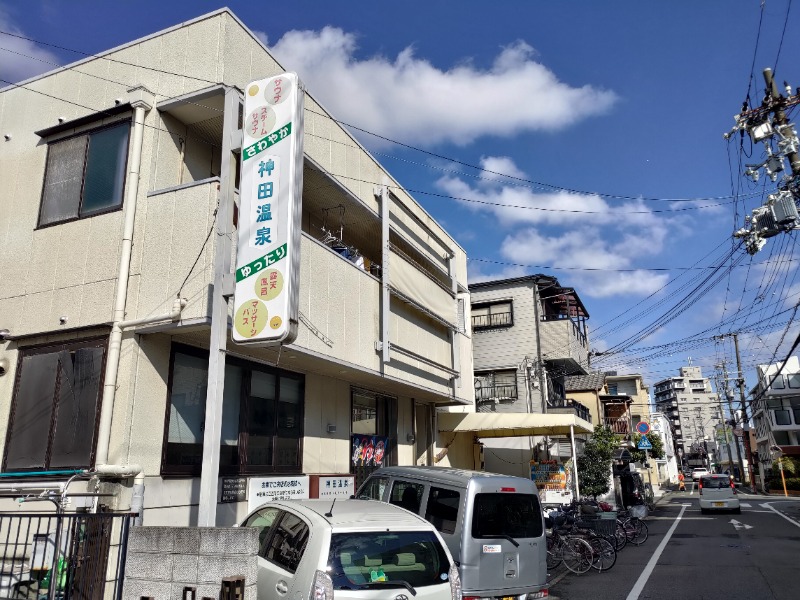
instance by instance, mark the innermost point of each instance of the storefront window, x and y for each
(262, 415)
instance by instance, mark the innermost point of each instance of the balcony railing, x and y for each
(620, 425)
(503, 319)
(499, 392)
(563, 405)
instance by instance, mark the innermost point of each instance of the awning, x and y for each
(494, 425)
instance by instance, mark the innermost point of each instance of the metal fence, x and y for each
(49, 556)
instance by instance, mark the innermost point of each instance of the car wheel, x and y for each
(737, 510)
(703, 511)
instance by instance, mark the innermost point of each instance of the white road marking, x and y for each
(780, 514)
(744, 505)
(739, 525)
(648, 570)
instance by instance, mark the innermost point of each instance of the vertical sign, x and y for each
(268, 253)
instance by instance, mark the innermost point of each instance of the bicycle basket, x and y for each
(638, 511)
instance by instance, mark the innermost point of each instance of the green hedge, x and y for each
(792, 483)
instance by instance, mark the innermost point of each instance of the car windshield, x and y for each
(358, 559)
(716, 483)
(506, 515)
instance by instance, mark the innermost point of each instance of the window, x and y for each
(407, 495)
(413, 558)
(778, 384)
(502, 515)
(288, 543)
(794, 380)
(263, 519)
(55, 407)
(262, 413)
(374, 488)
(85, 175)
(442, 509)
(486, 316)
(612, 389)
(498, 386)
(782, 417)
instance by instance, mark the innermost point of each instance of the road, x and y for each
(710, 557)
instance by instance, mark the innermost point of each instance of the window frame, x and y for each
(94, 213)
(241, 468)
(488, 306)
(50, 348)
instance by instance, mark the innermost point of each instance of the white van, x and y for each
(492, 524)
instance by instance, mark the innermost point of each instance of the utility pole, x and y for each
(728, 397)
(768, 124)
(722, 414)
(745, 419)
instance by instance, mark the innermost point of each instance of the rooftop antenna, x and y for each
(330, 510)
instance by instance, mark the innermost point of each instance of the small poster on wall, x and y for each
(368, 450)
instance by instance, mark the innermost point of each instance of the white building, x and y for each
(113, 178)
(776, 413)
(667, 467)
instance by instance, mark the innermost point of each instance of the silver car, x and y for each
(350, 550)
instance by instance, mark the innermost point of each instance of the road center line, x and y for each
(780, 514)
(642, 581)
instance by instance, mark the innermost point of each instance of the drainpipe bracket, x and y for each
(228, 284)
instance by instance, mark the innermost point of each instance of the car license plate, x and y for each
(507, 598)
(719, 504)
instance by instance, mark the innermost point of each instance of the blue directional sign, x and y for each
(644, 444)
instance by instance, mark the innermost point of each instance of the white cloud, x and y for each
(567, 230)
(20, 58)
(410, 99)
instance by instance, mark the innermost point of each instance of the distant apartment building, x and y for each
(694, 412)
(112, 173)
(529, 336)
(776, 413)
(666, 467)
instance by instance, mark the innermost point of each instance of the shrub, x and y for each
(776, 485)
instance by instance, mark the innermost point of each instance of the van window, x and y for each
(442, 509)
(374, 487)
(407, 495)
(514, 515)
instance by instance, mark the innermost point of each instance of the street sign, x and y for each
(644, 444)
(643, 427)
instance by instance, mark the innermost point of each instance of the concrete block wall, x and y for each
(162, 561)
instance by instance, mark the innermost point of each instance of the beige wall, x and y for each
(70, 269)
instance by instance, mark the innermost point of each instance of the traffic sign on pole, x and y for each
(644, 444)
(643, 427)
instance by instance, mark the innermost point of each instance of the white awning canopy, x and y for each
(494, 425)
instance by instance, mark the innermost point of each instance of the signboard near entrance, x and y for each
(265, 489)
(234, 489)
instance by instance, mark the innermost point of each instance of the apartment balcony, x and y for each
(565, 406)
(619, 425)
(497, 393)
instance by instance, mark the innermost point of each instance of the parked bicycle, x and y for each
(563, 547)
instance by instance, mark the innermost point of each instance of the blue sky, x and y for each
(602, 114)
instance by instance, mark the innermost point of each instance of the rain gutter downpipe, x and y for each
(142, 100)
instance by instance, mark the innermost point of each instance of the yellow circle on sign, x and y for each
(253, 90)
(269, 284)
(251, 318)
(275, 322)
